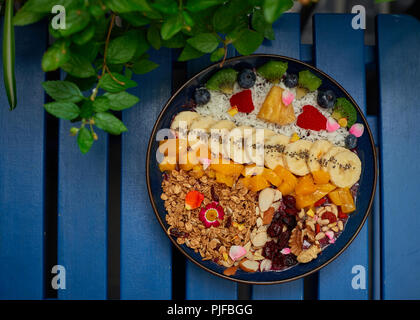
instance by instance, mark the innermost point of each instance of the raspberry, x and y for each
(330, 216)
(341, 214)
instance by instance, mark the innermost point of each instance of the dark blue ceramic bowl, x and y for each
(366, 151)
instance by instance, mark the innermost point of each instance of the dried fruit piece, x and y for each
(344, 109)
(330, 216)
(273, 71)
(268, 216)
(242, 101)
(309, 81)
(230, 271)
(311, 119)
(193, 200)
(274, 110)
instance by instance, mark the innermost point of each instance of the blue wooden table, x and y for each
(386, 251)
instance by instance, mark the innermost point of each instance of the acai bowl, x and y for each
(262, 171)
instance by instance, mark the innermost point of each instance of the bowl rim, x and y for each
(274, 56)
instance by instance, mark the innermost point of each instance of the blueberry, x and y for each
(326, 99)
(291, 80)
(201, 96)
(246, 78)
(351, 141)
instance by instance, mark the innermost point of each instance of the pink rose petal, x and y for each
(285, 251)
(236, 252)
(206, 162)
(357, 130)
(287, 97)
(331, 240)
(329, 234)
(332, 125)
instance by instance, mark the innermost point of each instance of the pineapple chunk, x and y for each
(274, 110)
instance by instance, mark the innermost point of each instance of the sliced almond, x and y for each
(260, 239)
(277, 195)
(249, 265)
(268, 216)
(276, 205)
(265, 265)
(265, 198)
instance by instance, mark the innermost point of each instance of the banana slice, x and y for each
(219, 135)
(345, 168)
(295, 156)
(318, 149)
(268, 134)
(273, 150)
(325, 159)
(237, 145)
(183, 120)
(254, 147)
(199, 129)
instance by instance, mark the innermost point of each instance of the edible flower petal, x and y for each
(211, 214)
(285, 251)
(357, 130)
(332, 125)
(287, 97)
(193, 199)
(237, 252)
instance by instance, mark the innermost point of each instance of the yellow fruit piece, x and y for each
(286, 189)
(258, 183)
(227, 180)
(321, 176)
(342, 197)
(307, 200)
(167, 164)
(305, 185)
(252, 170)
(232, 111)
(294, 137)
(225, 256)
(173, 147)
(287, 176)
(342, 122)
(197, 172)
(229, 169)
(272, 177)
(310, 213)
(246, 181)
(188, 160)
(273, 109)
(211, 174)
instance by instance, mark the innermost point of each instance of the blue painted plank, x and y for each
(82, 216)
(201, 285)
(22, 172)
(287, 43)
(398, 41)
(339, 51)
(145, 249)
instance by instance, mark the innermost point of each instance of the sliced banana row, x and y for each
(245, 144)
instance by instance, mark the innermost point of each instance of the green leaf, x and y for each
(88, 50)
(248, 41)
(153, 36)
(63, 91)
(63, 110)
(199, 5)
(79, 66)
(141, 42)
(274, 8)
(109, 84)
(24, 17)
(101, 104)
(177, 41)
(217, 55)
(86, 110)
(135, 18)
(171, 27)
(259, 24)
(83, 83)
(121, 49)
(45, 6)
(227, 16)
(204, 42)
(165, 6)
(144, 66)
(85, 35)
(189, 53)
(76, 20)
(56, 56)
(109, 123)
(122, 100)
(188, 19)
(84, 140)
(122, 6)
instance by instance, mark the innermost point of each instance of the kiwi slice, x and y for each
(309, 81)
(223, 80)
(273, 71)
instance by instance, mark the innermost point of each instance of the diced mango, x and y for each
(286, 189)
(321, 176)
(258, 183)
(172, 147)
(167, 164)
(252, 170)
(305, 185)
(246, 181)
(227, 180)
(307, 200)
(188, 160)
(287, 176)
(272, 177)
(211, 173)
(197, 171)
(229, 169)
(342, 197)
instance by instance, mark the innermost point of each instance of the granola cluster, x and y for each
(212, 243)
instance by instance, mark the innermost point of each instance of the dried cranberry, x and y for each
(178, 233)
(228, 222)
(270, 250)
(289, 201)
(277, 262)
(283, 240)
(290, 221)
(214, 195)
(317, 228)
(290, 260)
(320, 202)
(330, 216)
(293, 211)
(274, 229)
(341, 214)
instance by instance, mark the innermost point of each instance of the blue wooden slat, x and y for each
(398, 41)
(287, 43)
(339, 51)
(200, 284)
(145, 249)
(22, 172)
(82, 216)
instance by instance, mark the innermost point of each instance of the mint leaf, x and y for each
(121, 49)
(86, 110)
(85, 35)
(109, 123)
(260, 25)
(84, 140)
(177, 41)
(153, 36)
(25, 16)
(109, 84)
(248, 41)
(79, 66)
(135, 18)
(144, 66)
(45, 6)
(76, 20)
(56, 56)
(63, 110)
(217, 55)
(63, 91)
(101, 104)
(189, 53)
(83, 83)
(171, 27)
(122, 100)
(122, 6)
(165, 6)
(274, 8)
(204, 42)
(199, 5)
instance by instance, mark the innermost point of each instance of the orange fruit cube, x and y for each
(321, 177)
